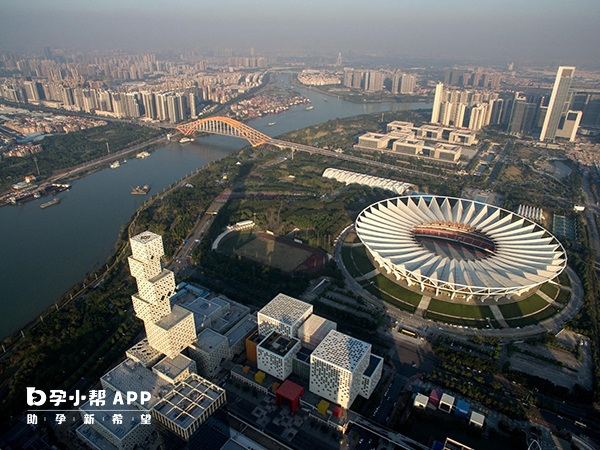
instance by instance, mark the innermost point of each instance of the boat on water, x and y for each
(140, 190)
(324, 99)
(308, 108)
(272, 123)
(54, 201)
(142, 155)
(185, 140)
(115, 165)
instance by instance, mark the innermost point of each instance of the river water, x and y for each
(43, 252)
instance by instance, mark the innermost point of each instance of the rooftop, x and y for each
(241, 329)
(103, 415)
(208, 340)
(219, 324)
(315, 328)
(133, 376)
(189, 400)
(201, 308)
(144, 353)
(278, 344)
(447, 399)
(342, 350)
(286, 309)
(304, 355)
(173, 367)
(145, 237)
(95, 438)
(170, 320)
(374, 362)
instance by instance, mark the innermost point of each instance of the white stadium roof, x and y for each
(345, 176)
(512, 256)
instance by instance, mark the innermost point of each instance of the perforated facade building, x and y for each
(275, 355)
(169, 330)
(337, 366)
(283, 314)
(208, 351)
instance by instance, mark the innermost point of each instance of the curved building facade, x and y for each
(345, 176)
(462, 248)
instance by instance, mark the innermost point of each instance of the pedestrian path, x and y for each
(423, 305)
(366, 276)
(498, 316)
(550, 300)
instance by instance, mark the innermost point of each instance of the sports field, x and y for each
(285, 255)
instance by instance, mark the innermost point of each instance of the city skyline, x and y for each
(550, 32)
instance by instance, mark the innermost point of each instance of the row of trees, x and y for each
(63, 151)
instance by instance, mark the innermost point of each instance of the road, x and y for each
(331, 154)
(498, 166)
(104, 159)
(181, 264)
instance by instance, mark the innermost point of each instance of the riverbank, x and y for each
(357, 96)
(62, 154)
(81, 335)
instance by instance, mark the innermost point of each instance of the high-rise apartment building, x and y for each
(558, 101)
(407, 83)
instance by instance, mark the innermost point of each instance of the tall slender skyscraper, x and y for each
(437, 101)
(556, 107)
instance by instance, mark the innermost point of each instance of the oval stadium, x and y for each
(460, 248)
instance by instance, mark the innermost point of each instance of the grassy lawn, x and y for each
(459, 310)
(473, 323)
(361, 260)
(349, 263)
(534, 319)
(235, 241)
(389, 299)
(550, 290)
(395, 290)
(563, 278)
(524, 307)
(563, 297)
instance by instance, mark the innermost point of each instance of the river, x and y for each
(44, 252)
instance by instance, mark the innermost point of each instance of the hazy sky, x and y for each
(556, 31)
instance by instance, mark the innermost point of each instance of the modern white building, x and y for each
(314, 330)
(345, 176)
(491, 252)
(186, 407)
(337, 366)
(283, 314)
(431, 132)
(173, 370)
(209, 350)
(406, 139)
(371, 375)
(275, 354)
(122, 434)
(169, 330)
(143, 353)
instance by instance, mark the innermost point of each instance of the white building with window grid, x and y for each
(337, 366)
(283, 314)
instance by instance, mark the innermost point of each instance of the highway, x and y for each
(331, 154)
